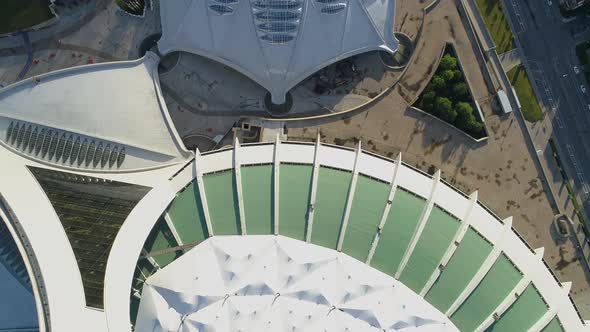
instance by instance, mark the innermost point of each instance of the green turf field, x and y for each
(21, 14)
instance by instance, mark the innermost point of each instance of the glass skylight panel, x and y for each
(90, 154)
(27, 138)
(14, 134)
(21, 135)
(277, 4)
(83, 152)
(75, 150)
(277, 15)
(9, 131)
(53, 145)
(33, 140)
(221, 9)
(60, 147)
(277, 38)
(114, 156)
(105, 155)
(68, 149)
(98, 155)
(278, 27)
(333, 8)
(41, 142)
(121, 157)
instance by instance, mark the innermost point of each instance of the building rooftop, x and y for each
(277, 43)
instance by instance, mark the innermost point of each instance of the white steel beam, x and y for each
(385, 215)
(172, 228)
(150, 259)
(351, 191)
(420, 226)
(465, 222)
(201, 187)
(314, 187)
(276, 169)
(483, 269)
(238, 175)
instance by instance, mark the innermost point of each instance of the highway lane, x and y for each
(548, 47)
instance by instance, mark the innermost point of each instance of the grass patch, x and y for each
(497, 24)
(447, 96)
(521, 83)
(21, 14)
(582, 53)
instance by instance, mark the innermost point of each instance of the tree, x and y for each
(461, 91)
(443, 108)
(438, 83)
(448, 62)
(457, 75)
(428, 101)
(448, 75)
(466, 119)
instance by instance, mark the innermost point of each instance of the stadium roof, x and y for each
(444, 246)
(99, 104)
(277, 43)
(269, 283)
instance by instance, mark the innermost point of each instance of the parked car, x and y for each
(576, 70)
(583, 88)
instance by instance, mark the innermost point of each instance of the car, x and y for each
(576, 70)
(583, 88)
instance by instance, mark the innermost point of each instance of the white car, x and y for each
(583, 88)
(576, 70)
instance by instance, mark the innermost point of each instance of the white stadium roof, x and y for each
(277, 43)
(270, 283)
(99, 104)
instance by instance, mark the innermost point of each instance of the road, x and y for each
(547, 43)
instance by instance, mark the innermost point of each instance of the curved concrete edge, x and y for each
(128, 245)
(132, 235)
(31, 264)
(48, 240)
(150, 61)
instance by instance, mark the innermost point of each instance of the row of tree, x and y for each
(447, 96)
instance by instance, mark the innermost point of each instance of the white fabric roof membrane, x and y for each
(105, 101)
(274, 283)
(277, 43)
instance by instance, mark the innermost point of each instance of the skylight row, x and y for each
(277, 21)
(63, 147)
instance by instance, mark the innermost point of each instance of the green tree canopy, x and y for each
(461, 91)
(437, 83)
(443, 108)
(466, 118)
(448, 75)
(448, 62)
